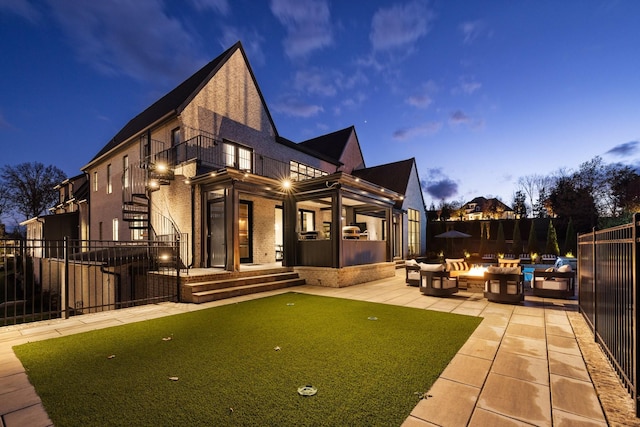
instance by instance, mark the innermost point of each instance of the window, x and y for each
(95, 181)
(300, 171)
(307, 220)
(109, 187)
(125, 171)
(100, 230)
(115, 229)
(138, 233)
(176, 137)
(237, 156)
(414, 232)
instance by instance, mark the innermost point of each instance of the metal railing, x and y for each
(608, 274)
(42, 280)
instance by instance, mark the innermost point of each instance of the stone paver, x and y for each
(524, 365)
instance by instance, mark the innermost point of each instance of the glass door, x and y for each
(245, 227)
(216, 241)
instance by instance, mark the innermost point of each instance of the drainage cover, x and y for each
(307, 390)
(372, 318)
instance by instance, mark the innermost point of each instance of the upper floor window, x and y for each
(176, 137)
(95, 181)
(109, 186)
(125, 171)
(300, 171)
(237, 156)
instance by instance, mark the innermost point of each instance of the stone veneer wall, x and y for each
(346, 276)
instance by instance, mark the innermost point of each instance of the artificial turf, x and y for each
(242, 364)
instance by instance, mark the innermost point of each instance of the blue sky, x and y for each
(479, 92)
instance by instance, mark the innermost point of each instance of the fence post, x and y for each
(635, 233)
(64, 282)
(594, 265)
(177, 251)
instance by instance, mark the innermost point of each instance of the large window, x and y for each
(237, 156)
(414, 232)
(300, 171)
(125, 171)
(109, 186)
(307, 220)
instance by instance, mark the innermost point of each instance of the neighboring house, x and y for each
(206, 163)
(70, 219)
(482, 208)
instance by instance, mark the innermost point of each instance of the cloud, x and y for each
(294, 107)
(625, 149)
(308, 25)
(315, 81)
(219, 6)
(109, 36)
(422, 97)
(467, 85)
(428, 128)
(438, 185)
(22, 8)
(459, 117)
(471, 30)
(399, 26)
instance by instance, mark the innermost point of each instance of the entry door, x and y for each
(245, 228)
(216, 238)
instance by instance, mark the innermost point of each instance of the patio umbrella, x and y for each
(453, 234)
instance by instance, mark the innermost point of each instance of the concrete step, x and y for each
(230, 292)
(211, 285)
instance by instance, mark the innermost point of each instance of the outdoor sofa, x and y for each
(554, 282)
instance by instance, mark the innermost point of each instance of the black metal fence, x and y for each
(608, 271)
(42, 280)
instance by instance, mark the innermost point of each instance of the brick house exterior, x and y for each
(206, 162)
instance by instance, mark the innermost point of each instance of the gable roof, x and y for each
(176, 100)
(484, 203)
(394, 176)
(331, 145)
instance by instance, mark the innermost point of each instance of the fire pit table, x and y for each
(473, 280)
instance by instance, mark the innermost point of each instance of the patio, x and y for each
(534, 363)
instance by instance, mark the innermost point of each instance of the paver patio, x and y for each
(524, 365)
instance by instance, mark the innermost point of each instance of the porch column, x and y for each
(290, 236)
(232, 230)
(336, 229)
(388, 216)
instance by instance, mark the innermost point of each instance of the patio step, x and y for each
(214, 290)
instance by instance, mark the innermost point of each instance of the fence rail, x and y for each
(42, 280)
(608, 271)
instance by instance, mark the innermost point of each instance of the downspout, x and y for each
(193, 228)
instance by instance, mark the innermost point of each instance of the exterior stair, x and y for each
(213, 289)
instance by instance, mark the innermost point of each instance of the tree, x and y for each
(31, 187)
(532, 243)
(501, 245)
(516, 247)
(532, 186)
(552, 240)
(570, 199)
(571, 239)
(520, 205)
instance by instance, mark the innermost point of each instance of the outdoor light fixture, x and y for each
(154, 184)
(286, 184)
(213, 174)
(161, 167)
(164, 257)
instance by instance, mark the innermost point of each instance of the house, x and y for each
(206, 164)
(482, 208)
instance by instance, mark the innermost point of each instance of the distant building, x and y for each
(483, 208)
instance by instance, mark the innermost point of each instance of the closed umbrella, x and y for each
(453, 234)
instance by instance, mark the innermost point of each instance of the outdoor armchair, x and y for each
(412, 272)
(504, 284)
(554, 283)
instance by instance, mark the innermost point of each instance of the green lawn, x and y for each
(368, 362)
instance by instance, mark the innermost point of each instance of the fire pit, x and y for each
(473, 280)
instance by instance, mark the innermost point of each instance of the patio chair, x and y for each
(504, 285)
(504, 262)
(412, 272)
(554, 283)
(436, 281)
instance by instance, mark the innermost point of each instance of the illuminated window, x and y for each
(414, 232)
(125, 171)
(300, 171)
(109, 186)
(95, 181)
(237, 156)
(115, 229)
